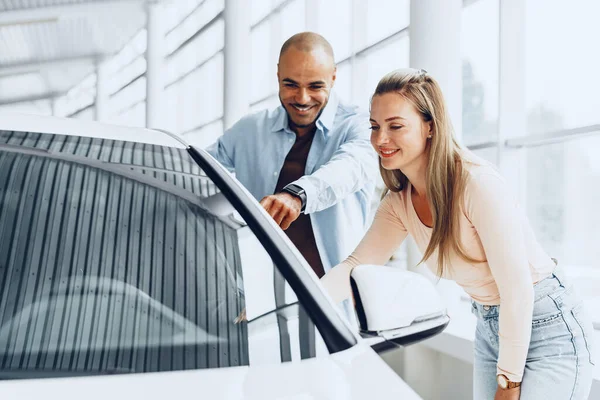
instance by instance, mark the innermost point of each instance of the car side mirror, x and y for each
(400, 306)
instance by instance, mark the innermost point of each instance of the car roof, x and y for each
(10, 121)
(152, 156)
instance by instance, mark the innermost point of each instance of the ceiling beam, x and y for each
(57, 12)
(58, 63)
(27, 99)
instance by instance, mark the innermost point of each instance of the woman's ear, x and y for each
(429, 129)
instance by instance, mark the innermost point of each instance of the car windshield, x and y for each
(114, 256)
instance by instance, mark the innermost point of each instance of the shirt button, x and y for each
(275, 173)
(486, 308)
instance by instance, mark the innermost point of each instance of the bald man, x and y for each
(309, 161)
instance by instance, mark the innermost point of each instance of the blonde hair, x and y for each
(446, 176)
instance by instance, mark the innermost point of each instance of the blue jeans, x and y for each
(560, 360)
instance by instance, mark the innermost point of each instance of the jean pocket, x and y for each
(586, 327)
(547, 320)
(545, 313)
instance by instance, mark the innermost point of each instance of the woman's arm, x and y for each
(377, 246)
(494, 213)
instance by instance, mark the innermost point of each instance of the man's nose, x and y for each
(302, 96)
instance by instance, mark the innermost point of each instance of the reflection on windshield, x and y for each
(102, 271)
(136, 318)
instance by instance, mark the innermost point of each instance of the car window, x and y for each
(121, 257)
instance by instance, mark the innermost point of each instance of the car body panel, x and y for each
(73, 127)
(357, 373)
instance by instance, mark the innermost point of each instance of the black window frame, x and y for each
(335, 332)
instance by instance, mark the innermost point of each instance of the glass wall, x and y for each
(480, 41)
(371, 38)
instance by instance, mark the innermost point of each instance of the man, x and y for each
(309, 161)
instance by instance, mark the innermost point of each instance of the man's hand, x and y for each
(283, 207)
(241, 318)
(508, 394)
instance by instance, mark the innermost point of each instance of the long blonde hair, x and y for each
(446, 176)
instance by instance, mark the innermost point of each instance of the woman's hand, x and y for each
(508, 394)
(337, 283)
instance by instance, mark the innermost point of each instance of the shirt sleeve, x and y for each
(382, 239)
(352, 166)
(223, 150)
(495, 214)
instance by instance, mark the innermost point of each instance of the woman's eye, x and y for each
(396, 127)
(373, 128)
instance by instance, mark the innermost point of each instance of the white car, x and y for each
(133, 266)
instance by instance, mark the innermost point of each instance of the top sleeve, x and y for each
(386, 234)
(497, 218)
(377, 246)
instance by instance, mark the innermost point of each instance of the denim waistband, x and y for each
(542, 289)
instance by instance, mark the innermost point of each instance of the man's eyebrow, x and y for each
(288, 80)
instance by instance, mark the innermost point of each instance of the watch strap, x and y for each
(297, 191)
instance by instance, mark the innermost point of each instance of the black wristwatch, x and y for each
(297, 191)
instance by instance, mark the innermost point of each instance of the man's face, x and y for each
(305, 81)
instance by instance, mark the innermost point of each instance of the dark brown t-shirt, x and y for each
(300, 231)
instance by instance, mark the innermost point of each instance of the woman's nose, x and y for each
(380, 137)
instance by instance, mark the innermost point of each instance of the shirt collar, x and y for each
(325, 120)
(328, 115)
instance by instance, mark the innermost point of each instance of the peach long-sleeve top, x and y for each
(492, 228)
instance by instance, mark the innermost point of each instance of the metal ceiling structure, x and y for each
(48, 46)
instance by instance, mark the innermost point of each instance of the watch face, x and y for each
(502, 381)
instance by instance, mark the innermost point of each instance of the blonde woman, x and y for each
(533, 340)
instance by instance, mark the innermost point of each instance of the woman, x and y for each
(533, 340)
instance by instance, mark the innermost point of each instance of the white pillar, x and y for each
(512, 113)
(102, 93)
(276, 41)
(155, 66)
(311, 15)
(358, 89)
(435, 47)
(54, 106)
(237, 61)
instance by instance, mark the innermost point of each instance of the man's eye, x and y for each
(316, 87)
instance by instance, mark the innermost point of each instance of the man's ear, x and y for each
(333, 76)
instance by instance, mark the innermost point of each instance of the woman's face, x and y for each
(398, 133)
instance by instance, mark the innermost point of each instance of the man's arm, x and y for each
(352, 166)
(223, 150)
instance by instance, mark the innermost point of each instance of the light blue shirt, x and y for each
(340, 170)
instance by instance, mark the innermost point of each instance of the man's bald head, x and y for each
(306, 73)
(308, 42)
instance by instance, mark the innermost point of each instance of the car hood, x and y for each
(353, 374)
